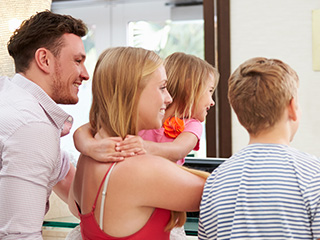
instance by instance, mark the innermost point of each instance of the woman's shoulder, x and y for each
(143, 169)
(145, 163)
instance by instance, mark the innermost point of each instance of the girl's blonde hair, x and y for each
(187, 79)
(119, 77)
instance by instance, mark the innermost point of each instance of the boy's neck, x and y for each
(278, 134)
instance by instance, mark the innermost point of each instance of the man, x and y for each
(49, 59)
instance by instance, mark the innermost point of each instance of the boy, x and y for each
(268, 190)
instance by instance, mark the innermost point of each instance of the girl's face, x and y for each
(205, 102)
(153, 101)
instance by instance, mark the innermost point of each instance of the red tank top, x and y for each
(153, 229)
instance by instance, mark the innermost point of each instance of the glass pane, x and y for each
(166, 38)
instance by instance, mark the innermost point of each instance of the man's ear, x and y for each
(292, 109)
(43, 59)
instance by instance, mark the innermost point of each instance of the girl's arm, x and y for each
(177, 149)
(102, 150)
(180, 145)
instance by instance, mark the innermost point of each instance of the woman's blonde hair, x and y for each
(119, 77)
(187, 79)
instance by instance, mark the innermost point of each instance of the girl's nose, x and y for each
(168, 98)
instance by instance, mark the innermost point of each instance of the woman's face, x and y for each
(153, 101)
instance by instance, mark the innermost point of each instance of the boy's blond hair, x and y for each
(187, 78)
(120, 75)
(259, 91)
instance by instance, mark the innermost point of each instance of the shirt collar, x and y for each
(57, 115)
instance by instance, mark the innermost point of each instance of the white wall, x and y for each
(279, 29)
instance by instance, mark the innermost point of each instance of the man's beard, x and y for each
(60, 92)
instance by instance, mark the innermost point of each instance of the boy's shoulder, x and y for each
(305, 159)
(275, 153)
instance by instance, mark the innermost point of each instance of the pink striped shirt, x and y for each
(31, 162)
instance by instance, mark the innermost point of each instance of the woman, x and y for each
(129, 95)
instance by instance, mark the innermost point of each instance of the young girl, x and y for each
(191, 83)
(134, 202)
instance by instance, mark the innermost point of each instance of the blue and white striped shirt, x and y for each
(265, 191)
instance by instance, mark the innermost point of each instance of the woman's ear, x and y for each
(293, 109)
(43, 59)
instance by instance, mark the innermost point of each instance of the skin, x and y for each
(69, 71)
(137, 186)
(284, 130)
(61, 76)
(205, 102)
(153, 101)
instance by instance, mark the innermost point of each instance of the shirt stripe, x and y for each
(265, 191)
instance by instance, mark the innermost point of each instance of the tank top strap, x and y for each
(101, 184)
(103, 197)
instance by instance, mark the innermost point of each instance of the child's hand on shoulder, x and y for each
(133, 145)
(104, 150)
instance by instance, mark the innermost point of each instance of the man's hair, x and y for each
(119, 77)
(44, 29)
(187, 79)
(259, 91)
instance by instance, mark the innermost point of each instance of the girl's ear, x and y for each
(43, 59)
(293, 108)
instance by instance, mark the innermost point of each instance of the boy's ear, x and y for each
(43, 59)
(293, 108)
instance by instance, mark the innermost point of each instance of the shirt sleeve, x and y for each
(30, 168)
(194, 126)
(312, 199)
(201, 231)
(65, 165)
(207, 226)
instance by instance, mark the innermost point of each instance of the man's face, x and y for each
(69, 70)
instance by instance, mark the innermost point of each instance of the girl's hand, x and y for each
(133, 145)
(104, 150)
